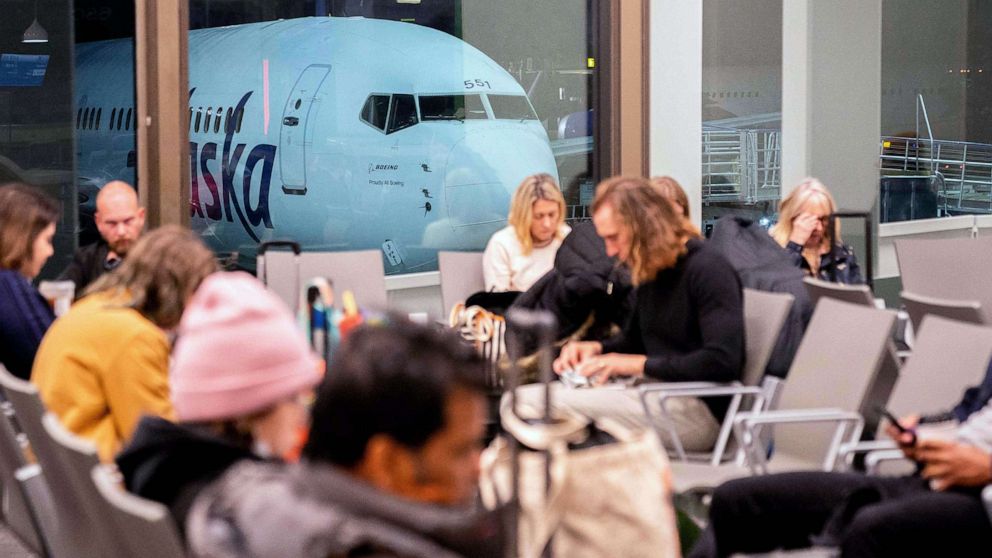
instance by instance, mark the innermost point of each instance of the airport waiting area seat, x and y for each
(461, 276)
(146, 527)
(855, 294)
(950, 269)
(948, 357)
(831, 378)
(764, 316)
(918, 306)
(360, 272)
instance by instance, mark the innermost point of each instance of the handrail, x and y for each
(921, 104)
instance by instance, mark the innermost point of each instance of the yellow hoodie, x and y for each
(100, 368)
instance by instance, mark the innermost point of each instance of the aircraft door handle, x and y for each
(290, 121)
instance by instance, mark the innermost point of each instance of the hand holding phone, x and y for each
(895, 422)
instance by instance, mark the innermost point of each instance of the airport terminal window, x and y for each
(468, 97)
(511, 107)
(376, 110)
(935, 162)
(452, 107)
(403, 113)
(742, 128)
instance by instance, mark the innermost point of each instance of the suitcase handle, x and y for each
(291, 244)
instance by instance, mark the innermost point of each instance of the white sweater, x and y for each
(506, 268)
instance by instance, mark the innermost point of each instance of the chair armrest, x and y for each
(848, 451)
(874, 459)
(747, 428)
(661, 420)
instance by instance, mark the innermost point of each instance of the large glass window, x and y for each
(398, 126)
(38, 119)
(936, 145)
(742, 108)
(104, 81)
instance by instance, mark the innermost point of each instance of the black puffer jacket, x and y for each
(761, 264)
(584, 281)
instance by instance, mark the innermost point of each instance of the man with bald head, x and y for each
(120, 221)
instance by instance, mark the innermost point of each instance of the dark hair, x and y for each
(24, 212)
(392, 379)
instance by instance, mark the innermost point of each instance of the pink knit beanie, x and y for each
(239, 351)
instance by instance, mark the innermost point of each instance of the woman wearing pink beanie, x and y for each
(240, 378)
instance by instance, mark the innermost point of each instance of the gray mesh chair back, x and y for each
(147, 528)
(836, 366)
(17, 513)
(764, 315)
(855, 294)
(918, 306)
(77, 527)
(948, 356)
(78, 457)
(360, 272)
(952, 268)
(461, 276)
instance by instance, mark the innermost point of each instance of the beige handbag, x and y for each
(607, 500)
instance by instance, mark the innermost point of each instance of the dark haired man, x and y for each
(390, 468)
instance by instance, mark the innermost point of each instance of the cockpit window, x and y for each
(452, 107)
(404, 113)
(375, 111)
(512, 107)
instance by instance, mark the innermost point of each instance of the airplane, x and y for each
(338, 133)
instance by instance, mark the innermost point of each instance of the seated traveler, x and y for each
(27, 224)
(687, 324)
(937, 512)
(520, 254)
(390, 469)
(120, 220)
(247, 404)
(105, 363)
(803, 229)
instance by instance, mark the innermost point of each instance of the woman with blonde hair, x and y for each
(520, 254)
(688, 321)
(804, 230)
(27, 224)
(105, 363)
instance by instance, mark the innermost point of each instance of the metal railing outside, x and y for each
(741, 165)
(965, 168)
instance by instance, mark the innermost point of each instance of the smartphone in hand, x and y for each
(895, 422)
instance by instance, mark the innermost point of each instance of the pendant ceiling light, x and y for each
(35, 33)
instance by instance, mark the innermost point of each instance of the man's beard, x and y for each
(121, 247)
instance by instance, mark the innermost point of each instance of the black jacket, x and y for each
(88, 264)
(761, 264)
(24, 318)
(584, 281)
(837, 266)
(171, 463)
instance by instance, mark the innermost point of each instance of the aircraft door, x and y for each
(296, 131)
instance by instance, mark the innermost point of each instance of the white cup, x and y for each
(59, 294)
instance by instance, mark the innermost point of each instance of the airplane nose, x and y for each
(485, 168)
